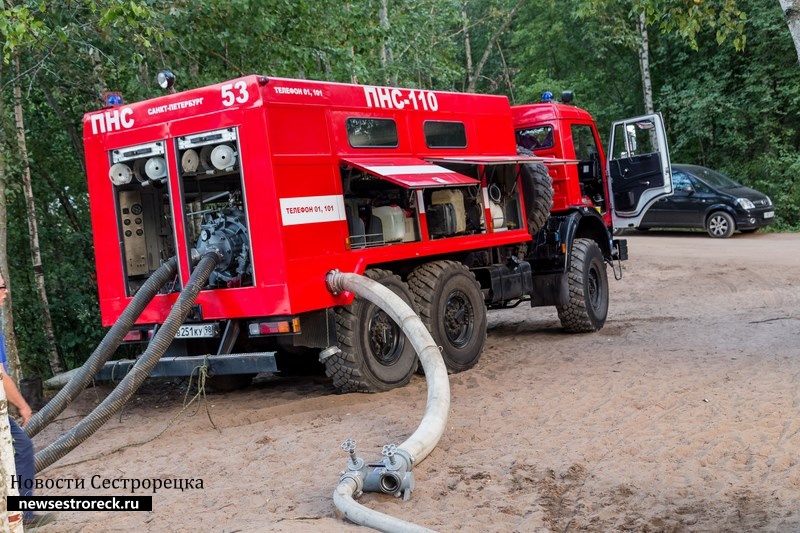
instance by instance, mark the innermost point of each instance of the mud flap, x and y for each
(550, 289)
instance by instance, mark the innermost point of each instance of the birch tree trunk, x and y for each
(33, 229)
(791, 12)
(6, 316)
(10, 521)
(644, 65)
(467, 45)
(386, 55)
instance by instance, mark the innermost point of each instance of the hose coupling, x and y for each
(392, 475)
(358, 481)
(333, 281)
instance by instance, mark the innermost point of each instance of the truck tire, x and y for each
(375, 354)
(452, 307)
(537, 188)
(720, 225)
(588, 289)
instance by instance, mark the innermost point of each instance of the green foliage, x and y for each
(553, 49)
(326, 39)
(686, 19)
(20, 29)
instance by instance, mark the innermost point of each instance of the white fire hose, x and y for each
(422, 442)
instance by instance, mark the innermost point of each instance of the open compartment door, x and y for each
(638, 168)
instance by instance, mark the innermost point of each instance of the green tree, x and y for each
(737, 111)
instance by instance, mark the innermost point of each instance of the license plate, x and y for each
(198, 331)
(769, 214)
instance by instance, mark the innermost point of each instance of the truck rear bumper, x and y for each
(249, 363)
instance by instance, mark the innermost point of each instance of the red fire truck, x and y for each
(423, 191)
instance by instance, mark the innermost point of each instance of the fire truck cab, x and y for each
(637, 169)
(286, 180)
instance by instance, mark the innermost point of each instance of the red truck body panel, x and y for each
(292, 143)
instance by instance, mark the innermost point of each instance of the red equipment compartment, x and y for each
(268, 169)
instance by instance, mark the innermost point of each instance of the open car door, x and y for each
(638, 168)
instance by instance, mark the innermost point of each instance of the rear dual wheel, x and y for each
(452, 308)
(375, 354)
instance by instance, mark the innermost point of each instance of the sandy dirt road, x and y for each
(680, 415)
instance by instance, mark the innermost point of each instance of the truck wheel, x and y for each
(588, 289)
(720, 225)
(537, 188)
(451, 306)
(375, 354)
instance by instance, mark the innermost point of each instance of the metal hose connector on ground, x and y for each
(422, 442)
(138, 374)
(364, 516)
(107, 347)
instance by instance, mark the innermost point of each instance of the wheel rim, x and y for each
(459, 318)
(593, 288)
(385, 339)
(718, 225)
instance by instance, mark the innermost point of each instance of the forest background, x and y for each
(724, 74)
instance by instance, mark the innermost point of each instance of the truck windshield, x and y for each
(537, 138)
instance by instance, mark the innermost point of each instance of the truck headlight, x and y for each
(744, 203)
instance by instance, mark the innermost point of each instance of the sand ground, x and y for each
(680, 415)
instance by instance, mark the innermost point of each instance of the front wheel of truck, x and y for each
(587, 309)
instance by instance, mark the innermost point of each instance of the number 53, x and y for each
(234, 93)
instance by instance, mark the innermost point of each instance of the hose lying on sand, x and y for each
(138, 374)
(107, 347)
(422, 442)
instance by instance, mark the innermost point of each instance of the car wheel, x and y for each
(719, 225)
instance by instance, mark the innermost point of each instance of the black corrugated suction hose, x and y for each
(138, 374)
(107, 347)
